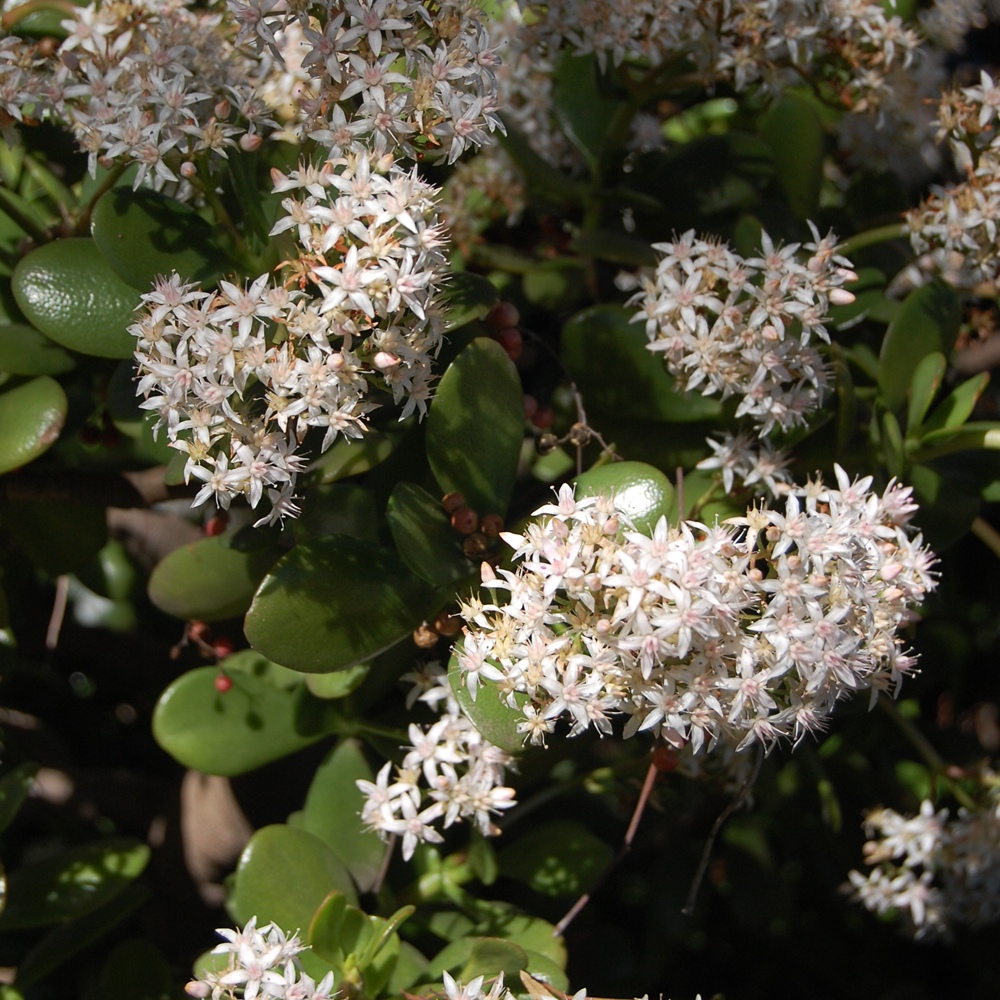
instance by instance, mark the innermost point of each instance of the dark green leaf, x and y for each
(339, 929)
(491, 716)
(14, 787)
(531, 933)
(31, 419)
(350, 458)
(73, 883)
(58, 537)
(543, 180)
(607, 357)
(69, 291)
(337, 509)
(339, 684)
(561, 858)
(923, 388)
(641, 491)
(556, 284)
(467, 297)
(927, 322)
(869, 293)
(332, 812)
(476, 426)
(410, 967)
(617, 248)
(209, 579)
(25, 351)
(334, 603)
(946, 513)
(143, 234)
(581, 107)
(424, 537)
(230, 732)
(136, 970)
(957, 407)
(284, 875)
(491, 956)
(793, 130)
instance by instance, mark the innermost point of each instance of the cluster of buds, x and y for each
(238, 377)
(734, 326)
(740, 633)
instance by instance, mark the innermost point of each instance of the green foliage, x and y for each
(560, 858)
(793, 129)
(424, 537)
(496, 720)
(31, 418)
(641, 491)
(14, 787)
(25, 351)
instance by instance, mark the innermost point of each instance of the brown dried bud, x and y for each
(476, 545)
(491, 525)
(465, 520)
(452, 501)
(425, 637)
(547, 444)
(447, 624)
(47, 46)
(579, 434)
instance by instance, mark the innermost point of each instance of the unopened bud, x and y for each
(465, 520)
(384, 360)
(892, 594)
(222, 109)
(425, 636)
(593, 583)
(106, 162)
(196, 988)
(335, 362)
(841, 297)
(769, 333)
(446, 624)
(491, 525)
(452, 501)
(476, 545)
(773, 533)
(603, 627)
(277, 177)
(188, 169)
(249, 142)
(385, 163)
(611, 526)
(755, 575)
(847, 274)
(890, 571)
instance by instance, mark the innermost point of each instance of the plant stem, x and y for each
(870, 237)
(987, 534)
(10, 208)
(12, 17)
(83, 223)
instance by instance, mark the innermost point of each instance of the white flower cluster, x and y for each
(262, 963)
(936, 871)
(402, 76)
(239, 376)
(462, 774)
(957, 226)
(730, 325)
(153, 84)
(744, 632)
(757, 463)
(746, 41)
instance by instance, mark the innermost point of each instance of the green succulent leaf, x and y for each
(794, 131)
(641, 491)
(332, 810)
(26, 351)
(339, 684)
(234, 731)
(31, 419)
(492, 717)
(143, 234)
(209, 579)
(607, 357)
(284, 875)
(926, 323)
(491, 956)
(73, 883)
(923, 388)
(14, 788)
(424, 537)
(69, 291)
(561, 858)
(334, 603)
(467, 297)
(476, 426)
(347, 457)
(957, 407)
(582, 108)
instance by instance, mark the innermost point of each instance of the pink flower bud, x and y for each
(277, 177)
(841, 297)
(188, 169)
(815, 264)
(384, 163)
(222, 109)
(249, 142)
(196, 988)
(890, 571)
(106, 162)
(847, 274)
(769, 333)
(384, 360)
(336, 362)
(487, 574)
(603, 627)
(611, 526)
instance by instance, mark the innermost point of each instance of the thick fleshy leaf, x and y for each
(209, 579)
(425, 540)
(641, 491)
(143, 234)
(491, 956)
(476, 426)
(231, 732)
(467, 297)
(494, 719)
(69, 291)
(339, 684)
(31, 418)
(581, 106)
(331, 812)
(26, 351)
(135, 970)
(337, 509)
(946, 513)
(73, 883)
(348, 457)
(794, 131)
(923, 388)
(334, 603)
(532, 933)
(14, 787)
(284, 875)
(557, 284)
(927, 322)
(410, 967)
(957, 407)
(607, 357)
(561, 858)
(618, 248)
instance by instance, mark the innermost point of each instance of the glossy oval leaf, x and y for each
(957, 407)
(334, 603)
(26, 351)
(347, 457)
(640, 490)
(561, 858)
(467, 297)
(495, 720)
(209, 579)
(31, 419)
(424, 537)
(491, 956)
(923, 388)
(332, 812)
(73, 883)
(231, 732)
(476, 426)
(927, 322)
(607, 357)
(581, 107)
(68, 290)
(794, 131)
(143, 234)
(284, 875)
(339, 684)
(14, 788)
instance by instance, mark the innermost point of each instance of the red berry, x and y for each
(510, 340)
(665, 758)
(222, 647)
(530, 406)
(543, 417)
(465, 520)
(503, 314)
(223, 683)
(215, 526)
